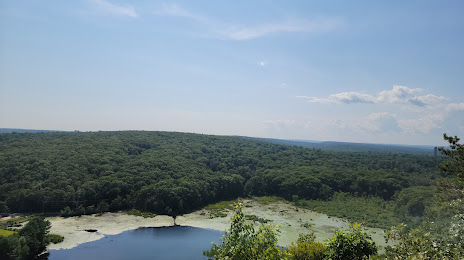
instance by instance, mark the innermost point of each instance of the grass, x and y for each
(6, 233)
(55, 239)
(228, 204)
(217, 214)
(307, 225)
(256, 218)
(371, 211)
(219, 209)
(136, 212)
(16, 220)
(13, 222)
(267, 200)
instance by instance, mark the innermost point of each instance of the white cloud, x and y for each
(318, 100)
(423, 114)
(352, 97)
(176, 10)
(261, 63)
(398, 95)
(455, 107)
(427, 100)
(109, 8)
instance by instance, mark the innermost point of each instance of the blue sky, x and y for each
(357, 71)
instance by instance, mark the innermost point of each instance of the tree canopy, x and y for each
(29, 242)
(173, 173)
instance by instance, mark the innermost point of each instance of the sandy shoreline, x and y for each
(290, 220)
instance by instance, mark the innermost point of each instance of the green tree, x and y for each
(351, 244)
(13, 247)
(28, 243)
(454, 166)
(242, 241)
(411, 203)
(66, 212)
(3, 207)
(35, 233)
(102, 207)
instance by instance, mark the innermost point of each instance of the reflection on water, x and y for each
(179, 242)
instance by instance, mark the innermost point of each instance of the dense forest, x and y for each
(173, 173)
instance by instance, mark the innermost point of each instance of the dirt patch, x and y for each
(73, 229)
(329, 229)
(290, 220)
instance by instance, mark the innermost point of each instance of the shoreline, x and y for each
(291, 221)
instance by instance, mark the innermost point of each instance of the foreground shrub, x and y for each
(242, 241)
(306, 248)
(351, 244)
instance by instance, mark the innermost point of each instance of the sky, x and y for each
(355, 71)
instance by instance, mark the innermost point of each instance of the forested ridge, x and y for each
(355, 147)
(173, 173)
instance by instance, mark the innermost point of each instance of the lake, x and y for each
(178, 242)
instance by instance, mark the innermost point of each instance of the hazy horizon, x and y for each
(444, 143)
(362, 72)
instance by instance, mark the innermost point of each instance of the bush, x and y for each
(306, 248)
(352, 244)
(55, 239)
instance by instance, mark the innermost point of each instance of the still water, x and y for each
(179, 242)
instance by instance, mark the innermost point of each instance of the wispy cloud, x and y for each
(344, 97)
(280, 122)
(397, 95)
(176, 10)
(113, 9)
(379, 122)
(287, 123)
(243, 33)
(230, 31)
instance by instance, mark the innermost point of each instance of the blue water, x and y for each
(179, 242)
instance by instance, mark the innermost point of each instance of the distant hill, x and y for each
(323, 145)
(356, 147)
(18, 130)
